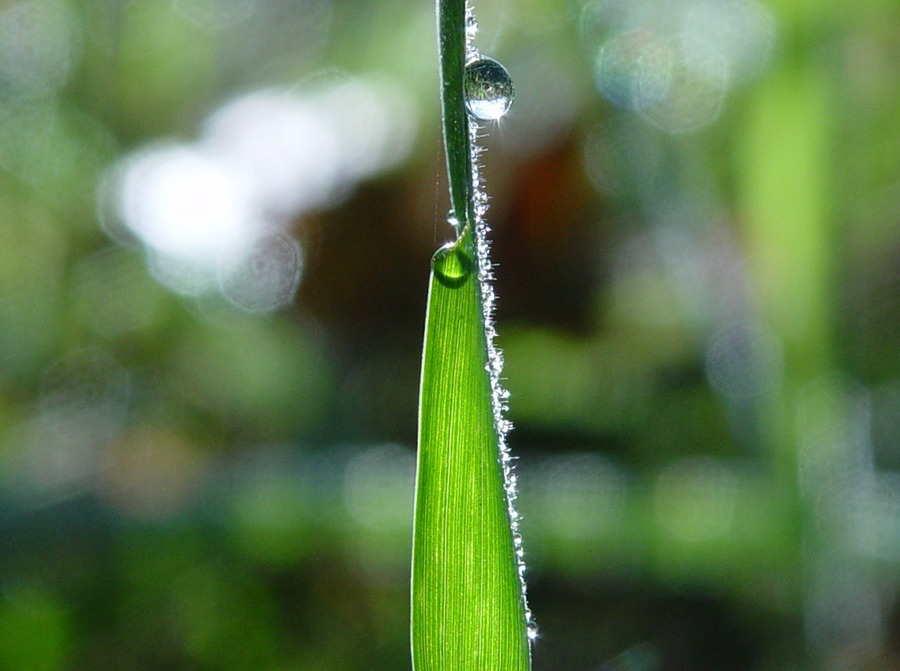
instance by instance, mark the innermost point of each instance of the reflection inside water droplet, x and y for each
(489, 89)
(451, 265)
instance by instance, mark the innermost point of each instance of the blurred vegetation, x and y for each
(695, 209)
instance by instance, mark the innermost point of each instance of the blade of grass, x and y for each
(451, 18)
(467, 609)
(468, 605)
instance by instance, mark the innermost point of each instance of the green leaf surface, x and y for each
(468, 611)
(468, 605)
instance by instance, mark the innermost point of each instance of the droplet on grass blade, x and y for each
(451, 265)
(489, 89)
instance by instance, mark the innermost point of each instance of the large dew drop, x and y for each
(489, 89)
(452, 265)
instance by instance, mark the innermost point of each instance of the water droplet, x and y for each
(451, 265)
(489, 89)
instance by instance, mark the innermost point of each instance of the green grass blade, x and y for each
(468, 601)
(452, 51)
(468, 610)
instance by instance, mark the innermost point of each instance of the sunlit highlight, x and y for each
(674, 62)
(184, 204)
(212, 215)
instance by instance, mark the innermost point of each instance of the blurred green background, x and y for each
(216, 218)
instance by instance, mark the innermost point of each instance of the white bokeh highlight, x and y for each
(213, 215)
(675, 62)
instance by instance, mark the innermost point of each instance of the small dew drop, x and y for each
(489, 89)
(451, 265)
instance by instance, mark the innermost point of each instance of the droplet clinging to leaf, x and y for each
(489, 89)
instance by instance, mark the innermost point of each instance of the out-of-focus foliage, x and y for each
(216, 218)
